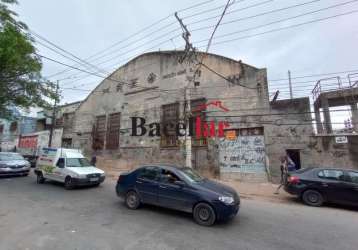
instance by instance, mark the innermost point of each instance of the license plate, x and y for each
(94, 179)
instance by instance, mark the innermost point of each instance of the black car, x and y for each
(32, 159)
(318, 185)
(180, 189)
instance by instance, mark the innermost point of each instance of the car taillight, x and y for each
(293, 179)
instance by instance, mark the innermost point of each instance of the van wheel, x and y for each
(312, 198)
(204, 214)
(40, 179)
(68, 183)
(132, 200)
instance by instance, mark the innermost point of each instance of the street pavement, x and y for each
(34, 216)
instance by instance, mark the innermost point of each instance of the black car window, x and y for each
(167, 176)
(331, 174)
(353, 177)
(149, 173)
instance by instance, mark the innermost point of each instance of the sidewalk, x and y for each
(258, 190)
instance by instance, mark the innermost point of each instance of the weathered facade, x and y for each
(152, 85)
(10, 130)
(65, 116)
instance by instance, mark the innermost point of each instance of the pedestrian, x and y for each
(291, 166)
(284, 171)
(94, 160)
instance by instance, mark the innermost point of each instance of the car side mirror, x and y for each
(60, 163)
(179, 183)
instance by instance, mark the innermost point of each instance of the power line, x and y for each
(170, 32)
(173, 37)
(82, 62)
(284, 28)
(274, 30)
(287, 19)
(94, 74)
(315, 75)
(139, 32)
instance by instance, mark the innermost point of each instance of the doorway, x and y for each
(294, 154)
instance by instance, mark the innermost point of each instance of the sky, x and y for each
(85, 27)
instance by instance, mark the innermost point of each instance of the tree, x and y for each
(21, 83)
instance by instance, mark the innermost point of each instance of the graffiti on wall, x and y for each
(245, 154)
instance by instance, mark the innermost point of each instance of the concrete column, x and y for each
(354, 110)
(327, 116)
(319, 126)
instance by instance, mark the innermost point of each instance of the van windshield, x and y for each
(77, 162)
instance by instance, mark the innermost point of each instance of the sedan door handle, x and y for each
(140, 182)
(161, 186)
(324, 184)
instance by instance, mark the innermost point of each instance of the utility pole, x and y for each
(187, 105)
(53, 118)
(290, 84)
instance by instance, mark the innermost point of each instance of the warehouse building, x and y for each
(149, 91)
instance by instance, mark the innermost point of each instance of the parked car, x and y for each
(180, 189)
(12, 164)
(318, 185)
(67, 166)
(32, 159)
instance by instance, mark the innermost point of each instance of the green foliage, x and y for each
(21, 84)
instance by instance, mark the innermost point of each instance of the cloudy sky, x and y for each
(86, 28)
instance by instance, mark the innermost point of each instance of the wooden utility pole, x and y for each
(53, 118)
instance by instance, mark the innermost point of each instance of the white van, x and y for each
(67, 166)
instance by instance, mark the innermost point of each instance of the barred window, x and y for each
(170, 117)
(113, 131)
(198, 109)
(99, 133)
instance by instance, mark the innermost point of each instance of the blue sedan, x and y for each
(180, 189)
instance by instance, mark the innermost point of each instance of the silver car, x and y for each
(13, 164)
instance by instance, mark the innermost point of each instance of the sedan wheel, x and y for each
(312, 198)
(132, 200)
(204, 214)
(68, 183)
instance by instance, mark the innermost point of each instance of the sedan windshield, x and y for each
(191, 175)
(77, 162)
(10, 157)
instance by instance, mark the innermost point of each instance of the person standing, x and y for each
(284, 171)
(94, 160)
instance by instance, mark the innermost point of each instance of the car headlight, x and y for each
(74, 175)
(3, 165)
(103, 174)
(226, 199)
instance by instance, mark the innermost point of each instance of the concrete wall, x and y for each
(290, 128)
(328, 153)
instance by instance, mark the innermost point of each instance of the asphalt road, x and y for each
(34, 216)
